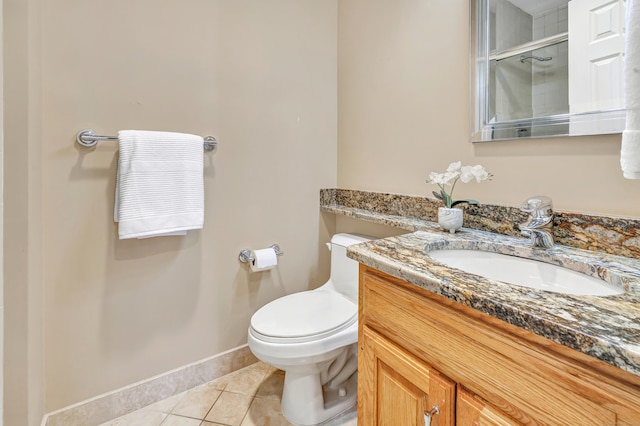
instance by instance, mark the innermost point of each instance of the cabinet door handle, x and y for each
(429, 414)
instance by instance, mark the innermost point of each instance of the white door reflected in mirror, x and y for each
(596, 57)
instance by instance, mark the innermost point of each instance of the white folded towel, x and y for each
(630, 151)
(159, 185)
(630, 154)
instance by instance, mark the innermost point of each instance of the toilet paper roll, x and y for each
(263, 259)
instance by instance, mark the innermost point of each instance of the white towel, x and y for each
(159, 185)
(630, 151)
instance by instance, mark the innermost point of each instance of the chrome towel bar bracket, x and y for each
(88, 138)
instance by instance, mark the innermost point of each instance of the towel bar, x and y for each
(88, 138)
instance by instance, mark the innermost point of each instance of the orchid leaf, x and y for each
(476, 202)
(446, 199)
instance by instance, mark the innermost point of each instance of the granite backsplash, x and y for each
(614, 235)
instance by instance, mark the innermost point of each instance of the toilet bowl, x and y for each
(312, 336)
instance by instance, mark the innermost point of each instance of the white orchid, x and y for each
(456, 171)
(468, 173)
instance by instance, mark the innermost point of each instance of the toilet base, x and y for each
(306, 402)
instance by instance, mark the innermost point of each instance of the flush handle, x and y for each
(428, 415)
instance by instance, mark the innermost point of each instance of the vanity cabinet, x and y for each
(418, 350)
(401, 389)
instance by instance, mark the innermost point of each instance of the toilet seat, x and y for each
(303, 317)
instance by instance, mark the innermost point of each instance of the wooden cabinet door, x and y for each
(473, 411)
(396, 388)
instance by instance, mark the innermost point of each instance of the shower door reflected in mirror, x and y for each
(546, 68)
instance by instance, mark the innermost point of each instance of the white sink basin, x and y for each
(525, 272)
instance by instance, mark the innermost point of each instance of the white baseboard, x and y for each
(119, 402)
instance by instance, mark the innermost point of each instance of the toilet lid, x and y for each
(304, 316)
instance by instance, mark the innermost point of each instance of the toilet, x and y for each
(312, 336)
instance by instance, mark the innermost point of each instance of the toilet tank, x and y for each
(344, 271)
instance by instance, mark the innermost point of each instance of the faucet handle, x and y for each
(538, 204)
(540, 221)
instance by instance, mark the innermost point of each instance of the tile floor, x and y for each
(247, 397)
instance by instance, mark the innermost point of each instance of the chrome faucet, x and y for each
(540, 222)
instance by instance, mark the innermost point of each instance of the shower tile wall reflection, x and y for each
(533, 83)
(551, 78)
(510, 80)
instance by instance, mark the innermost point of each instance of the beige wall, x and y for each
(22, 200)
(1, 226)
(402, 101)
(261, 77)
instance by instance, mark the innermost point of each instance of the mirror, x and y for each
(546, 68)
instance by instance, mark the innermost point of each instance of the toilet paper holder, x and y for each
(246, 257)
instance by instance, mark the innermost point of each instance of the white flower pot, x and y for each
(450, 219)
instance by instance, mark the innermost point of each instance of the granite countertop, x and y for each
(604, 327)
